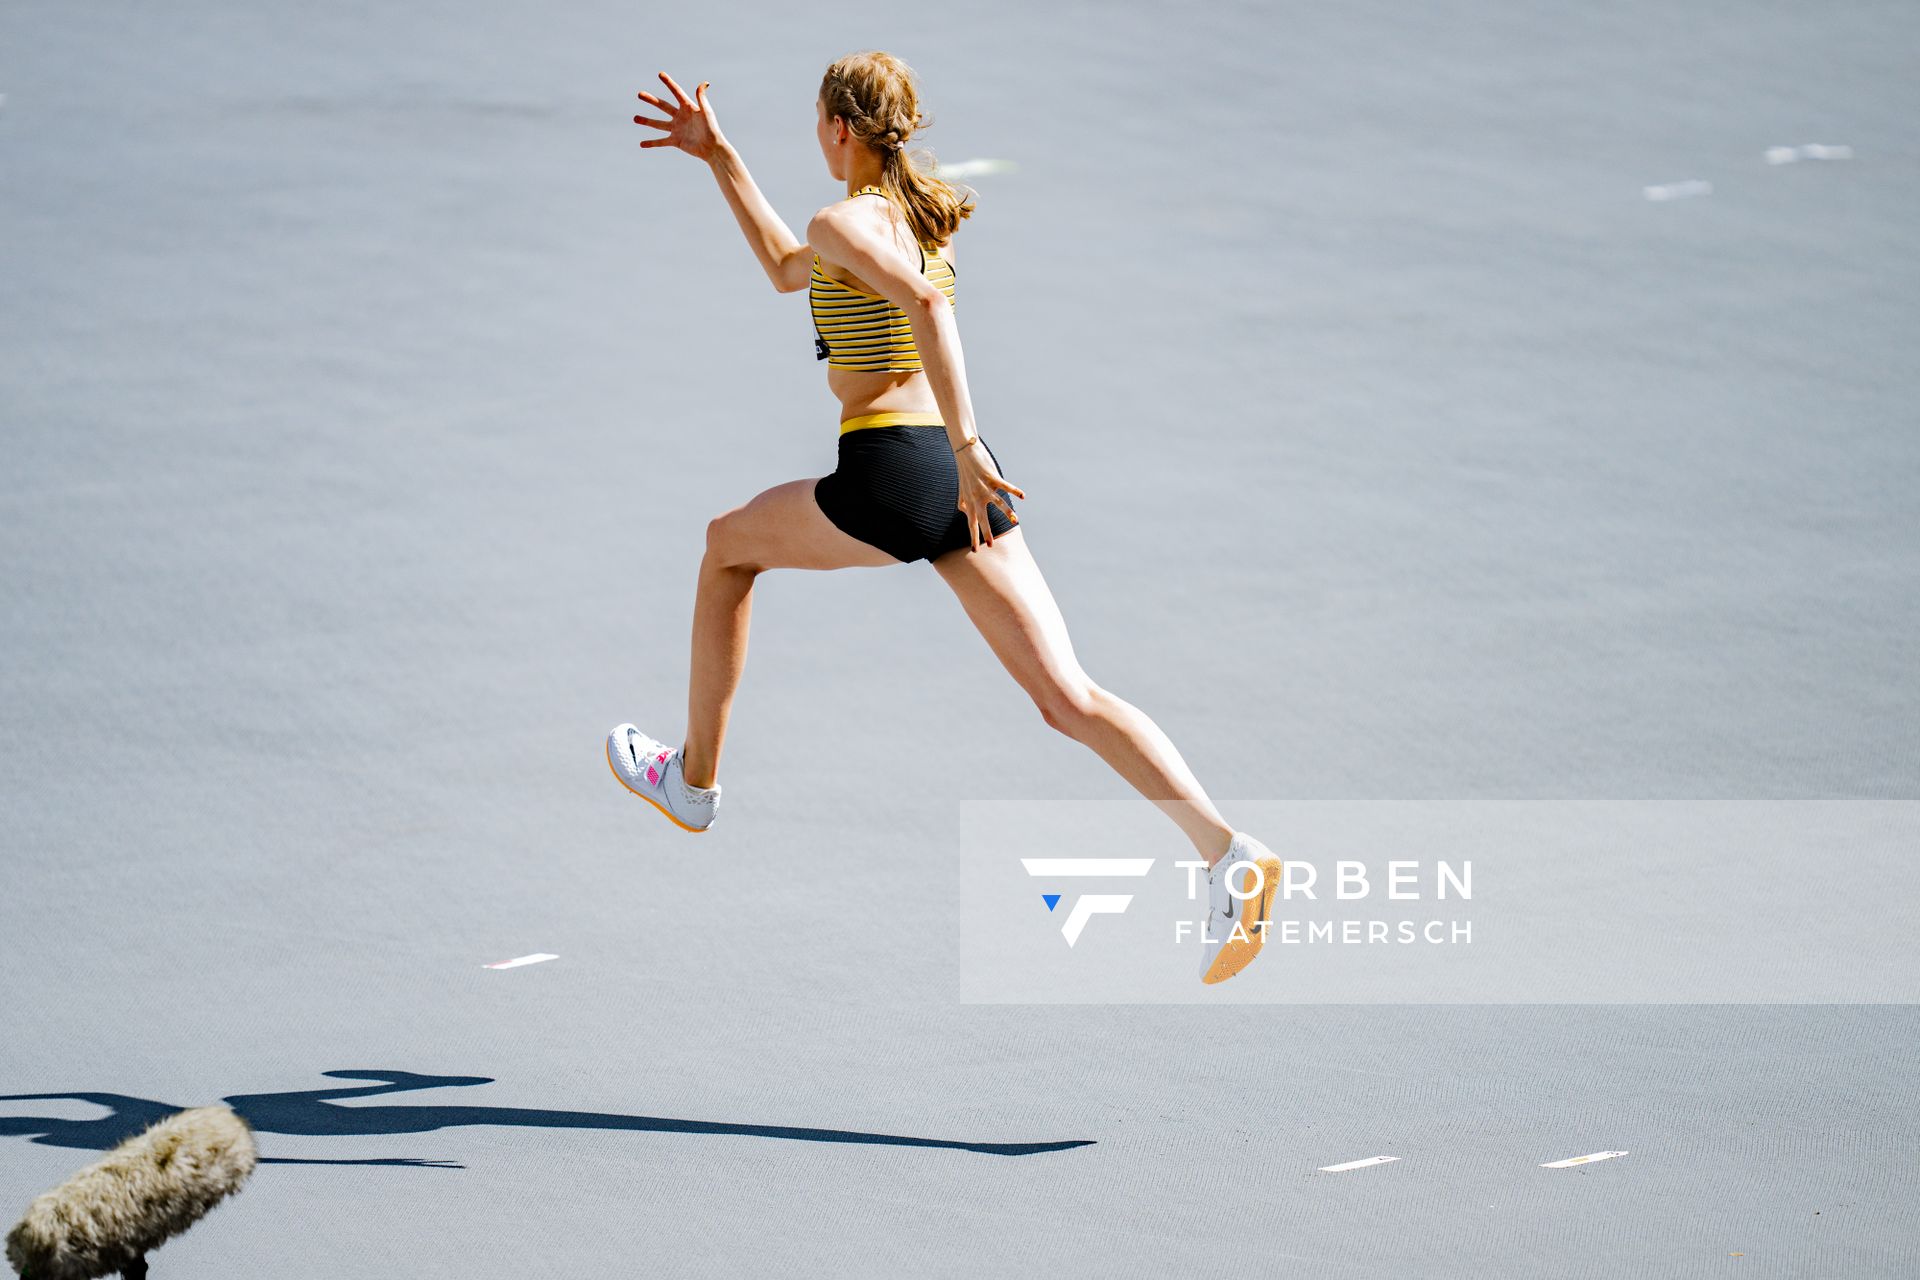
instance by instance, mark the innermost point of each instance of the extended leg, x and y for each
(782, 528)
(1002, 591)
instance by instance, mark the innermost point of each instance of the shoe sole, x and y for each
(1237, 955)
(699, 831)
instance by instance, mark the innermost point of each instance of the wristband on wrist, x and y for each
(968, 445)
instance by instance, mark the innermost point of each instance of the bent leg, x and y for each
(1002, 591)
(781, 528)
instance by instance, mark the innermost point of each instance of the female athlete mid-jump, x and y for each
(914, 479)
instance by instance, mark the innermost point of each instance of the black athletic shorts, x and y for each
(898, 488)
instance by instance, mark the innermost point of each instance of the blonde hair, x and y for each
(878, 96)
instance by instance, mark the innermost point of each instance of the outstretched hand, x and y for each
(690, 123)
(980, 485)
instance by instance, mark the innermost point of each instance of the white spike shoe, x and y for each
(1236, 927)
(651, 770)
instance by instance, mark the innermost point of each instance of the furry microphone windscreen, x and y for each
(151, 1187)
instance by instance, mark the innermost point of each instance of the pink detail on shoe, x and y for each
(664, 754)
(653, 774)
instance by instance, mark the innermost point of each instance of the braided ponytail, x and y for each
(877, 95)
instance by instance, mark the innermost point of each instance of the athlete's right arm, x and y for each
(692, 127)
(787, 261)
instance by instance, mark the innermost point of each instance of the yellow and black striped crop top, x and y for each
(855, 330)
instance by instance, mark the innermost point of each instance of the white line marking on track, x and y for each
(1598, 1155)
(1357, 1164)
(517, 961)
(1087, 866)
(1679, 190)
(1811, 151)
(973, 168)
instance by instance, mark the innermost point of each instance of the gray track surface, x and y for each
(366, 391)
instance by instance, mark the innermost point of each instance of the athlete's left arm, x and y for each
(840, 235)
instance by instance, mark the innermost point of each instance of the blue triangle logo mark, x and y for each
(1051, 899)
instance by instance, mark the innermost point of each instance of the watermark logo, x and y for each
(1063, 901)
(1087, 905)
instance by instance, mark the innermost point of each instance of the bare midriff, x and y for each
(863, 391)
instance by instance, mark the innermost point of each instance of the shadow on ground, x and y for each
(314, 1112)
